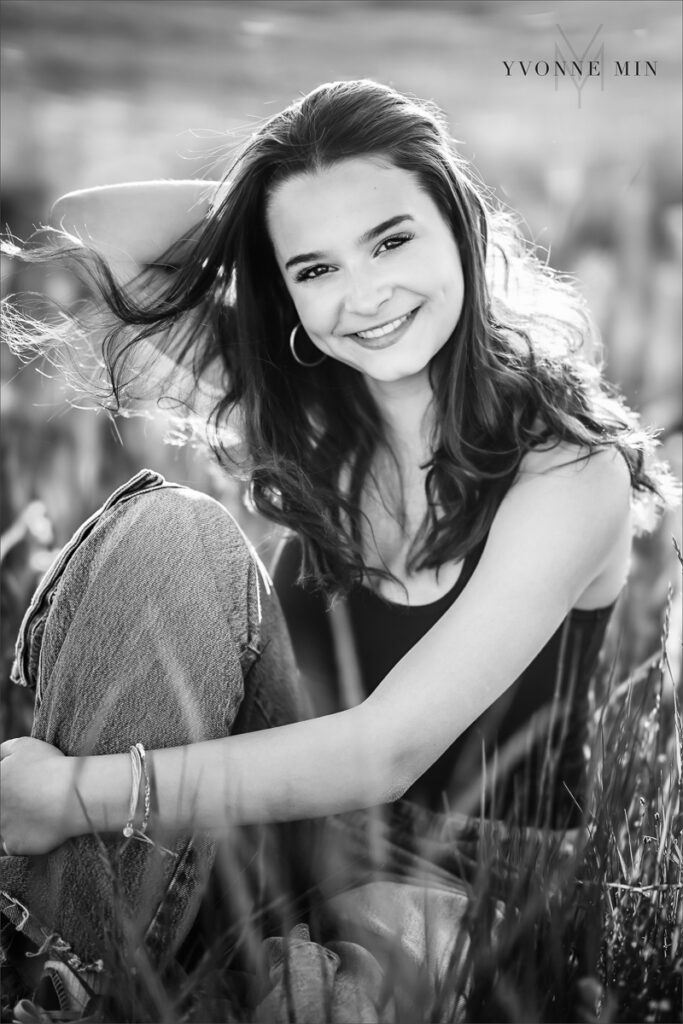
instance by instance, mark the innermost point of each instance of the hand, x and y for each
(35, 788)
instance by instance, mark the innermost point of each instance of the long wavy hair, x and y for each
(510, 378)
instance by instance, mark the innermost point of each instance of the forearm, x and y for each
(135, 222)
(310, 769)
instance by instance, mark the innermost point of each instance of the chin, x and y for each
(394, 374)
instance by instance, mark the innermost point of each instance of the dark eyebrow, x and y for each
(368, 236)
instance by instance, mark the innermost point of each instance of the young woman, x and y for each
(414, 405)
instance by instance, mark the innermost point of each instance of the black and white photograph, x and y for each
(341, 389)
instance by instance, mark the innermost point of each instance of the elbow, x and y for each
(62, 214)
(400, 775)
(390, 768)
(384, 788)
(74, 211)
(395, 789)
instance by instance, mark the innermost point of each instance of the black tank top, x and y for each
(542, 716)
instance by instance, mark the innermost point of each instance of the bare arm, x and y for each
(553, 537)
(134, 223)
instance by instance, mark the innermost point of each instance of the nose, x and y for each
(366, 293)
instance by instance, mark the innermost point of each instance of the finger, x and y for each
(3, 846)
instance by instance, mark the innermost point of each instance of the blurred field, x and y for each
(101, 91)
(112, 90)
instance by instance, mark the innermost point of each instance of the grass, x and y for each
(555, 927)
(598, 937)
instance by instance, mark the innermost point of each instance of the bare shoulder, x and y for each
(582, 500)
(568, 481)
(601, 474)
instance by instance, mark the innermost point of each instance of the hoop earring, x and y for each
(302, 362)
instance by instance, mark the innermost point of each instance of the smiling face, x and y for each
(371, 265)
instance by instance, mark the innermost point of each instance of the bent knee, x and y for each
(170, 518)
(185, 537)
(170, 547)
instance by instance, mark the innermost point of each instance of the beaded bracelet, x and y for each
(139, 770)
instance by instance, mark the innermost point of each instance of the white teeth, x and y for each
(379, 332)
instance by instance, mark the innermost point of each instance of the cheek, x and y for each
(316, 312)
(302, 307)
(455, 286)
(308, 316)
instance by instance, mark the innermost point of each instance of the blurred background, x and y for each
(103, 91)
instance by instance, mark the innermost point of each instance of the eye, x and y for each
(311, 273)
(395, 242)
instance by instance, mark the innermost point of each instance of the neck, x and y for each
(406, 407)
(396, 502)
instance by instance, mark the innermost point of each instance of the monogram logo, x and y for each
(579, 80)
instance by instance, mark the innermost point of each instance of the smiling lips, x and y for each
(385, 330)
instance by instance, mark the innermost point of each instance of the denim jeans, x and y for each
(156, 624)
